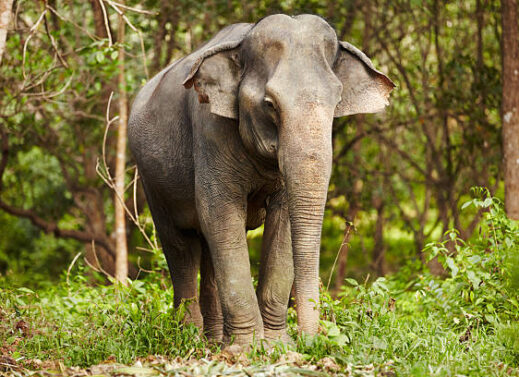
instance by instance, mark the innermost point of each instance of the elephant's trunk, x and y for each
(305, 156)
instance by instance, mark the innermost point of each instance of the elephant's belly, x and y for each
(257, 204)
(255, 217)
(172, 194)
(184, 215)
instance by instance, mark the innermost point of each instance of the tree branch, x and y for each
(51, 227)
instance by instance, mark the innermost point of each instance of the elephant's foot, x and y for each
(237, 350)
(214, 334)
(243, 337)
(278, 336)
(242, 340)
(193, 314)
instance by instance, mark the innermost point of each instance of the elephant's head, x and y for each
(285, 79)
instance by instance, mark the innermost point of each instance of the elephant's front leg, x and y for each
(222, 217)
(276, 269)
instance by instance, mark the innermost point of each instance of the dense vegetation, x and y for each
(411, 323)
(399, 177)
(415, 282)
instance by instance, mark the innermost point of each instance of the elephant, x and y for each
(238, 134)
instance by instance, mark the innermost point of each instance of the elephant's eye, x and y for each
(271, 109)
(269, 102)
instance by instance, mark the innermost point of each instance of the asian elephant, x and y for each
(237, 134)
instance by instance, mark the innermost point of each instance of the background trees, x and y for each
(510, 105)
(399, 178)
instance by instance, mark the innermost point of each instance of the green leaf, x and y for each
(100, 57)
(471, 275)
(379, 344)
(351, 281)
(334, 331)
(466, 204)
(490, 318)
(452, 265)
(487, 203)
(342, 339)
(25, 290)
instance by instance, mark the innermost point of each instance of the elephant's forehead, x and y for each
(283, 31)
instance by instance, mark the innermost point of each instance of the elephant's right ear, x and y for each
(364, 89)
(216, 71)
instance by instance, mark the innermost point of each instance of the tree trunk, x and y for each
(101, 21)
(5, 17)
(121, 249)
(510, 105)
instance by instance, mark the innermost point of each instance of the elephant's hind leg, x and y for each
(183, 256)
(182, 251)
(209, 301)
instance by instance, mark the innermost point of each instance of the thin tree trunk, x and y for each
(159, 36)
(121, 249)
(510, 105)
(5, 18)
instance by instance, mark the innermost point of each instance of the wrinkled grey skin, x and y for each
(238, 134)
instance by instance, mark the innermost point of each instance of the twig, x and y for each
(53, 43)
(103, 171)
(107, 25)
(31, 33)
(48, 95)
(141, 269)
(344, 242)
(141, 39)
(136, 10)
(135, 178)
(71, 265)
(98, 268)
(70, 21)
(144, 249)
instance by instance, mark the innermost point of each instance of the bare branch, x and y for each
(53, 43)
(31, 33)
(133, 9)
(107, 24)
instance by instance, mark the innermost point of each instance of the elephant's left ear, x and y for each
(215, 72)
(364, 89)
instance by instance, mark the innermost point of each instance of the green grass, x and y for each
(82, 325)
(409, 324)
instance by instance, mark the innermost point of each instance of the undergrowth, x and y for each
(411, 323)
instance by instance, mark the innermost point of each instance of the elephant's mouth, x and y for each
(261, 142)
(269, 148)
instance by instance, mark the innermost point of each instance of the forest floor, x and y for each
(221, 364)
(382, 329)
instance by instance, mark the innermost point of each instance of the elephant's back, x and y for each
(161, 140)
